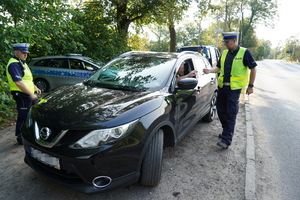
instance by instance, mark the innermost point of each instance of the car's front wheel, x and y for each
(152, 163)
(42, 84)
(210, 116)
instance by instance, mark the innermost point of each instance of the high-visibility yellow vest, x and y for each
(239, 72)
(27, 79)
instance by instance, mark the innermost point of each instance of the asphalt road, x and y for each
(275, 111)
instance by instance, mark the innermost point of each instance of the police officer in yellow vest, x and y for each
(234, 66)
(21, 85)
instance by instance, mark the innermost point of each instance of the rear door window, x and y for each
(55, 63)
(76, 64)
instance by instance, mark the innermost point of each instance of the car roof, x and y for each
(193, 46)
(77, 56)
(205, 46)
(157, 54)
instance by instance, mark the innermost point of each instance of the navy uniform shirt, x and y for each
(16, 70)
(248, 62)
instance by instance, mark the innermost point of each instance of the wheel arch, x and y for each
(169, 139)
(45, 80)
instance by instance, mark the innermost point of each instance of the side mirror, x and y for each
(187, 83)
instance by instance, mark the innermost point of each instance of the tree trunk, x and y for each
(172, 37)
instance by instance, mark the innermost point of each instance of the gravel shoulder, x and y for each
(195, 169)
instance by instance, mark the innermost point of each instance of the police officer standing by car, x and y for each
(21, 85)
(233, 67)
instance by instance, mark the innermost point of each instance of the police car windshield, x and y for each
(135, 72)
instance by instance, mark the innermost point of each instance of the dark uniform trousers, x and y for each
(227, 108)
(24, 103)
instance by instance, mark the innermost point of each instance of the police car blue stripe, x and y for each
(60, 73)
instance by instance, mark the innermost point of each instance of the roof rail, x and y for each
(131, 52)
(187, 52)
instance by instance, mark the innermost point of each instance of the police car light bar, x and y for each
(72, 54)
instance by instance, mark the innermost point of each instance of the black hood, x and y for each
(82, 107)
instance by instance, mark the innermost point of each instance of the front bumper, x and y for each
(74, 182)
(78, 174)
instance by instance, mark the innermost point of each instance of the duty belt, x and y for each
(226, 83)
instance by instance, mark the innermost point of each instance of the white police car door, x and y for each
(61, 73)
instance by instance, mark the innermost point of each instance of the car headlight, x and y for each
(102, 136)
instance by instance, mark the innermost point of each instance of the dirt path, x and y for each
(195, 169)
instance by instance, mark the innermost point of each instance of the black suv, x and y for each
(110, 131)
(212, 53)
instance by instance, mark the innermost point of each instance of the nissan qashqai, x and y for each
(110, 130)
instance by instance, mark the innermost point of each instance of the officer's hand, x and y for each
(38, 91)
(206, 71)
(249, 90)
(34, 97)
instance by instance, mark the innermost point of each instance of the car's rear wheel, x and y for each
(152, 163)
(42, 84)
(210, 116)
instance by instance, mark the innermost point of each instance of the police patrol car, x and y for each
(50, 72)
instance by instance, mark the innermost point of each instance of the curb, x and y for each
(250, 155)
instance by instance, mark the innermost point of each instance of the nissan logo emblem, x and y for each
(45, 133)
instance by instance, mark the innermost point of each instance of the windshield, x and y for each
(135, 72)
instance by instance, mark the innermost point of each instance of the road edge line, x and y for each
(250, 187)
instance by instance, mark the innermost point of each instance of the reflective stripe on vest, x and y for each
(26, 79)
(239, 75)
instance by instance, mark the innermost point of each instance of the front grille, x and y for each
(54, 132)
(59, 136)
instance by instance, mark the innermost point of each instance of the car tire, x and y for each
(210, 116)
(42, 84)
(152, 163)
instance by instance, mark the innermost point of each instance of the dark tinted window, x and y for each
(205, 50)
(76, 64)
(188, 49)
(56, 63)
(42, 63)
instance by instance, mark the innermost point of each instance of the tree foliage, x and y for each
(188, 34)
(171, 12)
(46, 24)
(161, 34)
(100, 37)
(291, 50)
(123, 12)
(243, 16)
